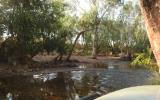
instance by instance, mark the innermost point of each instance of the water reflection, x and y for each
(69, 85)
(85, 82)
(60, 88)
(96, 65)
(55, 86)
(45, 77)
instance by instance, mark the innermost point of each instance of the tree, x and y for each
(150, 10)
(93, 19)
(77, 37)
(32, 26)
(90, 20)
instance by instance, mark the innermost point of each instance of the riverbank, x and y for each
(44, 64)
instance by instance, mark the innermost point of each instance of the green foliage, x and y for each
(144, 60)
(124, 34)
(6, 48)
(32, 26)
(141, 61)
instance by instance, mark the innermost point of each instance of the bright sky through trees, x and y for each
(83, 6)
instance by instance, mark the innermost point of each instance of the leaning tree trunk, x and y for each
(78, 36)
(151, 12)
(74, 44)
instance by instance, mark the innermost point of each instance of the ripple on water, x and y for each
(70, 85)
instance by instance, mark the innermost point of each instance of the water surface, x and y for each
(70, 85)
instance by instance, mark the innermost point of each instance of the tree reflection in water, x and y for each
(60, 88)
(87, 83)
(55, 86)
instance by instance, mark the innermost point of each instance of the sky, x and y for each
(85, 6)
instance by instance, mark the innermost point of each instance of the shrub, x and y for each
(141, 61)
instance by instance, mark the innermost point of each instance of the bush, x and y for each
(144, 61)
(141, 61)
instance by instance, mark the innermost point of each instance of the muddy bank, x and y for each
(45, 64)
(80, 59)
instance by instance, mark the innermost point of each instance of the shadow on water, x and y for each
(70, 85)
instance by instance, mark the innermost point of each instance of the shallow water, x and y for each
(70, 85)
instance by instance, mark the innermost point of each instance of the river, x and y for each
(71, 84)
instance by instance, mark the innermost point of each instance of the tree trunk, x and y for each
(94, 48)
(70, 53)
(151, 12)
(78, 35)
